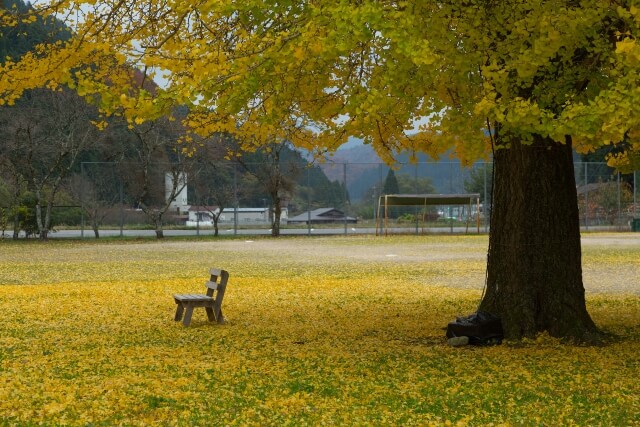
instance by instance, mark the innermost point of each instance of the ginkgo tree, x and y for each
(525, 82)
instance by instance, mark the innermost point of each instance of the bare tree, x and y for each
(14, 182)
(45, 133)
(94, 190)
(157, 156)
(276, 174)
(214, 188)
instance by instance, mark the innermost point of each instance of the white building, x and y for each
(202, 216)
(179, 203)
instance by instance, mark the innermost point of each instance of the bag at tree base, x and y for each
(481, 328)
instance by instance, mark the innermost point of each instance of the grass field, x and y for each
(320, 331)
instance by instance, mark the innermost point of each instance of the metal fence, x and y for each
(107, 199)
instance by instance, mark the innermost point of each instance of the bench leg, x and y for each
(220, 317)
(187, 316)
(210, 314)
(179, 312)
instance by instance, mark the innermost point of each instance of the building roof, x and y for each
(248, 209)
(195, 208)
(322, 215)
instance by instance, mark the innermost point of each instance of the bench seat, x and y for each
(212, 304)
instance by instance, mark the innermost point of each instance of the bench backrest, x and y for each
(218, 281)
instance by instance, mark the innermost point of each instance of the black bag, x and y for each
(481, 328)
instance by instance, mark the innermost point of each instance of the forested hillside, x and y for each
(18, 40)
(366, 170)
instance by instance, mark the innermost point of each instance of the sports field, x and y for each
(320, 331)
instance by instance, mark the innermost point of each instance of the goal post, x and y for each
(387, 200)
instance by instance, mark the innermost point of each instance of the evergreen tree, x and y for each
(391, 183)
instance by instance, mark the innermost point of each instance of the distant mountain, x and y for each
(357, 154)
(365, 169)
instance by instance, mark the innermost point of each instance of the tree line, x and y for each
(52, 141)
(53, 154)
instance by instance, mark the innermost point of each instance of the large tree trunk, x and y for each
(534, 277)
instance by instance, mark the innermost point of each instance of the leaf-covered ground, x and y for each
(320, 331)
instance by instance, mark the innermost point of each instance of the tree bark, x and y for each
(15, 203)
(277, 213)
(95, 222)
(157, 222)
(43, 229)
(534, 271)
(16, 225)
(216, 217)
(47, 218)
(215, 226)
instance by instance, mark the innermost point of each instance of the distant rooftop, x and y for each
(322, 216)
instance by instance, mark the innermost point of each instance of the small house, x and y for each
(322, 216)
(202, 216)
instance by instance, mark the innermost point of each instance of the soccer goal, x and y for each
(470, 204)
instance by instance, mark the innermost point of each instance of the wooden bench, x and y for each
(213, 305)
